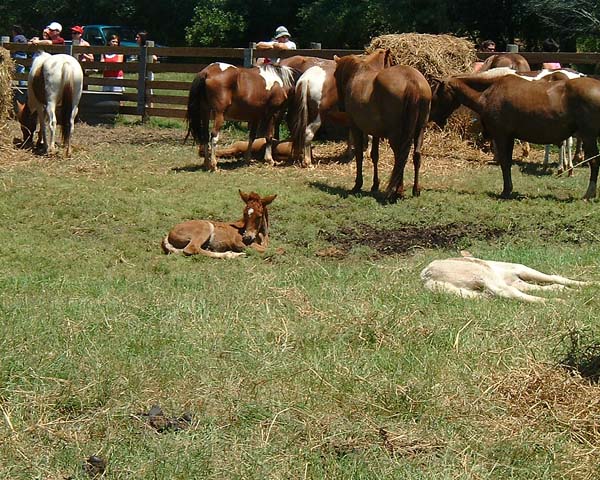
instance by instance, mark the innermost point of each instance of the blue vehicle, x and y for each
(98, 35)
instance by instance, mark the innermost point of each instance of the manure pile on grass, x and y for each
(432, 55)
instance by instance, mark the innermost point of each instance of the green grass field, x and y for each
(324, 358)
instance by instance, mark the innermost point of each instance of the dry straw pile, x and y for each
(7, 67)
(432, 55)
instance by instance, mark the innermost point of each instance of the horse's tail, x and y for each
(167, 247)
(197, 115)
(299, 118)
(68, 93)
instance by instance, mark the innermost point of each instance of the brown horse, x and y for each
(511, 107)
(385, 102)
(224, 240)
(315, 102)
(255, 95)
(511, 60)
(282, 151)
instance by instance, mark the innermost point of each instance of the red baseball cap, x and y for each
(77, 29)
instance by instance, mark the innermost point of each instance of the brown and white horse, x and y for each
(55, 88)
(220, 239)
(315, 102)
(511, 107)
(225, 91)
(392, 103)
(510, 60)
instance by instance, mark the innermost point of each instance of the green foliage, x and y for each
(215, 24)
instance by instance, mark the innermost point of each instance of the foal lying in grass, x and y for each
(220, 239)
(471, 277)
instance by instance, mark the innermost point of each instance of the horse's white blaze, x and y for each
(271, 78)
(250, 211)
(224, 66)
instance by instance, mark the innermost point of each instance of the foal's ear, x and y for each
(266, 200)
(335, 57)
(245, 196)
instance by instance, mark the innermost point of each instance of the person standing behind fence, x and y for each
(76, 33)
(281, 41)
(18, 37)
(486, 46)
(113, 41)
(550, 45)
(54, 37)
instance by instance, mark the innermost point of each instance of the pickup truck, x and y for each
(98, 35)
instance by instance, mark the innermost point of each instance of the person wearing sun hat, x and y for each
(54, 30)
(281, 41)
(76, 33)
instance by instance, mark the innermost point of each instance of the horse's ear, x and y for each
(266, 200)
(245, 196)
(336, 58)
(387, 59)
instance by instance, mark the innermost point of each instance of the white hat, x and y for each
(55, 26)
(282, 32)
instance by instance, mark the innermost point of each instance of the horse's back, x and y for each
(511, 60)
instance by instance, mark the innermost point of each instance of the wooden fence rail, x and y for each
(168, 98)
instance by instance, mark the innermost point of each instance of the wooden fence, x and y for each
(168, 98)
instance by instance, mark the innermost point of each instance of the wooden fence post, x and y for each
(141, 87)
(3, 40)
(249, 55)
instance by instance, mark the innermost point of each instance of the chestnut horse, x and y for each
(511, 60)
(315, 101)
(511, 107)
(224, 240)
(55, 88)
(224, 91)
(385, 102)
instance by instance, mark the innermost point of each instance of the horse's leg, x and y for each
(51, 114)
(418, 143)
(375, 160)
(546, 155)
(590, 148)
(401, 148)
(214, 138)
(311, 129)
(568, 163)
(357, 136)
(72, 122)
(503, 150)
(253, 128)
(269, 138)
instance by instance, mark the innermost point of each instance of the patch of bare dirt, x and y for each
(409, 237)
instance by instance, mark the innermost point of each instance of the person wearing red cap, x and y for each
(76, 33)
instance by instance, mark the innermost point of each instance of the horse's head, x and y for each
(28, 121)
(443, 101)
(256, 217)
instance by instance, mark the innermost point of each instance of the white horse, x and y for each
(54, 90)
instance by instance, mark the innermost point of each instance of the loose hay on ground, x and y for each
(7, 67)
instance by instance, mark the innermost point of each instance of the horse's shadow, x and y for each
(516, 196)
(226, 165)
(533, 168)
(378, 196)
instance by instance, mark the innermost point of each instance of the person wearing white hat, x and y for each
(53, 30)
(281, 41)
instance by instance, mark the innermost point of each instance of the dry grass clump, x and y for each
(7, 67)
(432, 55)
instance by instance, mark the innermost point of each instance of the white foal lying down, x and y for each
(471, 277)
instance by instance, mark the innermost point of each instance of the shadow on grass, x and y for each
(226, 165)
(582, 355)
(380, 197)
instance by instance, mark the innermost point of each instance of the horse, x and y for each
(55, 88)
(221, 239)
(315, 101)
(539, 112)
(255, 95)
(282, 151)
(391, 102)
(511, 60)
(471, 277)
(565, 156)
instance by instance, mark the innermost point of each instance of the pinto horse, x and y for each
(315, 102)
(255, 95)
(385, 102)
(224, 240)
(55, 87)
(511, 107)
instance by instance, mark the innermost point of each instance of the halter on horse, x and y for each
(389, 102)
(540, 112)
(224, 240)
(55, 87)
(256, 95)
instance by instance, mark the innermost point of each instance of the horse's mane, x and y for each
(285, 74)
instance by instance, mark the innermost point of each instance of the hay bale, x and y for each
(432, 55)
(7, 68)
